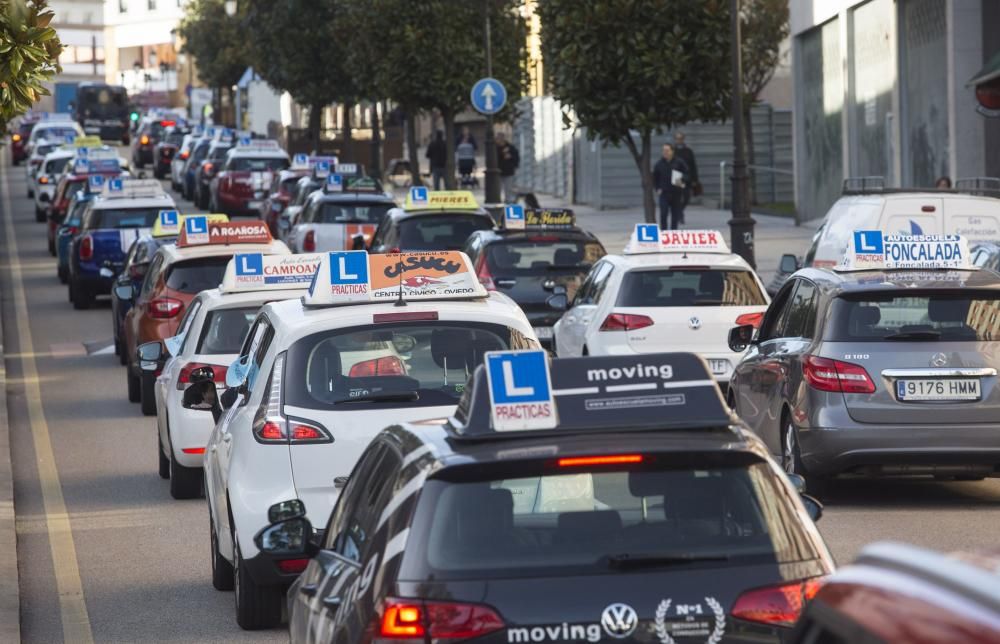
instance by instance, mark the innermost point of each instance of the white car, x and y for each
(210, 335)
(46, 177)
(36, 156)
(306, 186)
(180, 159)
(682, 293)
(335, 220)
(318, 378)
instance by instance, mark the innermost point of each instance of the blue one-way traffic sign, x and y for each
(488, 96)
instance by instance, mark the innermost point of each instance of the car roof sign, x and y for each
(877, 250)
(163, 228)
(648, 238)
(199, 230)
(420, 198)
(517, 217)
(127, 188)
(95, 182)
(356, 277)
(334, 182)
(321, 169)
(81, 166)
(513, 217)
(90, 141)
(605, 393)
(248, 272)
(520, 389)
(300, 161)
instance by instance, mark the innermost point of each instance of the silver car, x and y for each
(876, 373)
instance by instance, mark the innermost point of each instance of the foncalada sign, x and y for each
(875, 250)
(520, 390)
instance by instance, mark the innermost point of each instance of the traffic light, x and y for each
(134, 116)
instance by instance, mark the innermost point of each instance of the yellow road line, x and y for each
(72, 605)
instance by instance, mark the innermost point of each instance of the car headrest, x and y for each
(589, 523)
(565, 256)
(324, 368)
(711, 282)
(943, 310)
(450, 345)
(482, 511)
(479, 346)
(865, 316)
(683, 295)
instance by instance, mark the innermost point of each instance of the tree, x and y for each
(216, 41)
(29, 55)
(629, 68)
(297, 50)
(763, 27)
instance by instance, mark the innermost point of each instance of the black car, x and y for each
(146, 139)
(647, 513)
(215, 157)
(165, 149)
(419, 227)
(137, 261)
(198, 151)
(529, 264)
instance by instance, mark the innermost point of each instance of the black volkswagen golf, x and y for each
(645, 513)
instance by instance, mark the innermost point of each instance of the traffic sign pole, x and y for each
(492, 175)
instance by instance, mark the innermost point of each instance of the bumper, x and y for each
(264, 570)
(189, 429)
(901, 449)
(238, 205)
(94, 282)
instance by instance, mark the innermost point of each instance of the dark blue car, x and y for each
(67, 229)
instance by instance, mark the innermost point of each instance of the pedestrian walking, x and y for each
(692, 186)
(669, 178)
(508, 159)
(437, 155)
(465, 157)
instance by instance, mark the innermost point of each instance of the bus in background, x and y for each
(103, 109)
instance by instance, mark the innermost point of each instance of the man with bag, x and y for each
(686, 154)
(670, 176)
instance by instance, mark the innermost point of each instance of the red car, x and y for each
(903, 594)
(240, 187)
(18, 140)
(284, 187)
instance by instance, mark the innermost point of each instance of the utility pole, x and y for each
(492, 176)
(741, 224)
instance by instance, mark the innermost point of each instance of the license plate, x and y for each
(718, 367)
(253, 205)
(543, 332)
(938, 389)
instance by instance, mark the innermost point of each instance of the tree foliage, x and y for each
(763, 25)
(29, 55)
(629, 68)
(216, 41)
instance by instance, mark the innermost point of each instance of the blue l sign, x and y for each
(249, 264)
(520, 390)
(868, 242)
(647, 233)
(196, 225)
(418, 195)
(168, 218)
(488, 96)
(349, 267)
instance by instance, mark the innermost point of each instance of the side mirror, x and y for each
(202, 374)
(124, 292)
(789, 264)
(557, 302)
(288, 537)
(199, 396)
(358, 242)
(149, 354)
(142, 175)
(741, 337)
(813, 506)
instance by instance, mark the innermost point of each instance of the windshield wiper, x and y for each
(399, 396)
(913, 335)
(639, 560)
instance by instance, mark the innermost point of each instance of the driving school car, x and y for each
(342, 216)
(430, 220)
(886, 365)
(210, 336)
(669, 290)
(241, 185)
(596, 499)
(378, 339)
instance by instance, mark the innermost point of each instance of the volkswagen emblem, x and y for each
(694, 322)
(939, 360)
(619, 620)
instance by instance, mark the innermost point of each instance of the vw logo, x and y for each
(694, 322)
(939, 360)
(619, 620)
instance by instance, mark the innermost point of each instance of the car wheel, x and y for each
(222, 570)
(31, 193)
(134, 386)
(791, 458)
(185, 482)
(40, 217)
(122, 356)
(257, 606)
(52, 247)
(164, 461)
(80, 296)
(147, 395)
(731, 399)
(63, 274)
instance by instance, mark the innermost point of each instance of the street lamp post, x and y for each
(492, 174)
(742, 223)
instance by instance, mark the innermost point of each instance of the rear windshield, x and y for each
(224, 330)
(354, 212)
(440, 232)
(603, 521)
(119, 217)
(200, 151)
(956, 316)
(74, 213)
(219, 152)
(53, 133)
(175, 138)
(290, 186)
(541, 255)
(390, 365)
(196, 275)
(46, 148)
(55, 166)
(243, 164)
(690, 287)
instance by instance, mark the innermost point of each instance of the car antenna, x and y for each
(399, 300)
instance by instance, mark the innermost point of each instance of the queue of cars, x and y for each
(388, 453)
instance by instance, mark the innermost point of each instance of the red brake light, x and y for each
(301, 432)
(168, 123)
(411, 619)
(144, 140)
(271, 431)
(73, 230)
(193, 450)
(309, 242)
(185, 154)
(753, 319)
(86, 248)
(825, 374)
(15, 138)
(184, 379)
(43, 180)
(385, 366)
(626, 322)
(613, 459)
(292, 565)
(778, 605)
(420, 316)
(484, 274)
(165, 307)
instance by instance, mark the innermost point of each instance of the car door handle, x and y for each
(309, 590)
(331, 602)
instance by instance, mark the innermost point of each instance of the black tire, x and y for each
(134, 386)
(122, 356)
(31, 193)
(147, 395)
(185, 482)
(791, 459)
(80, 296)
(257, 607)
(164, 467)
(222, 570)
(63, 274)
(52, 247)
(40, 217)
(731, 400)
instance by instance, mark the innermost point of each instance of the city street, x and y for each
(131, 564)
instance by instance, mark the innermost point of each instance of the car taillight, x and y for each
(185, 154)
(826, 374)
(415, 619)
(15, 138)
(218, 370)
(87, 248)
(292, 565)
(43, 179)
(309, 242)
(144, 140)
(207, 169)
(73, 230)
(484, 274)
(163, 308)
(386, 366)
(625, 322)
(753, 319)
(272, 427)
(778, 605)
(609, 459)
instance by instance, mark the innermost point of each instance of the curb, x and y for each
(10, 597)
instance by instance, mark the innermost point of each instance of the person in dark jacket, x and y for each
(507, 161)
(437, 154)
(686, 154)
(670, 188)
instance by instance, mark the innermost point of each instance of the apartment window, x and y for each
(151, 5)
(122, 6)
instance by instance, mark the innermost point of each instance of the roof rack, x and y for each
(875, 185)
